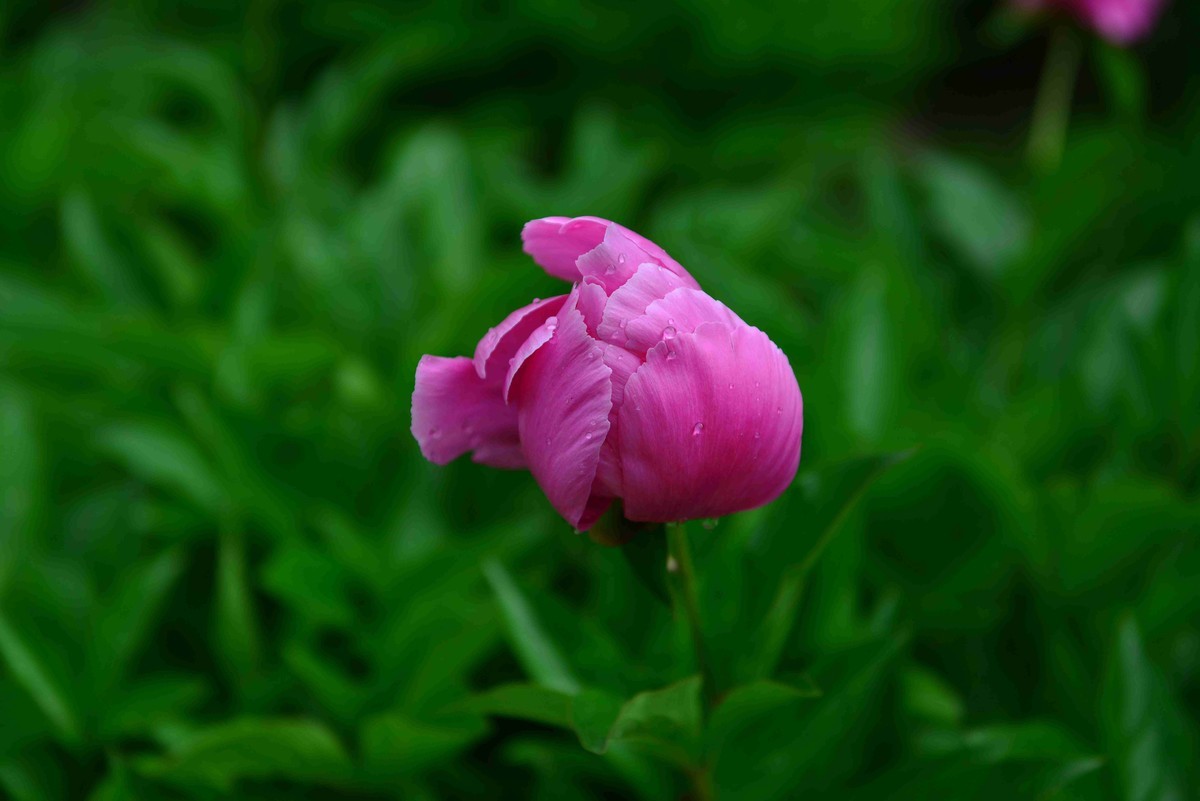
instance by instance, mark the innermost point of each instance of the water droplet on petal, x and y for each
(435, 433)
(757, 385)
(537, 300)
(610, 269)
(547, 440)
(697, 429)
(731, 385)
(757, 435)
(669, 332)
(620, 258)
(588, 435)
(672, 565)
(670, 321)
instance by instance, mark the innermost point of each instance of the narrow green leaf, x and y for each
(163, 456)
(538, 654)
(220, 756)
(975, 214)
(236, 625)
(127, 617)
(830, 495)
(23, 658)
(524, 701)
(20, 480)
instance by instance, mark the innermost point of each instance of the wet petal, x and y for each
(651, 282)
(563, 396)
(682, 311)
(455, 411)
(500, 344)
(612, 251)
(555, 243)
(710, 425)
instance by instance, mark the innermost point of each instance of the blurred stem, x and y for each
(681, 575)
(1052, 109)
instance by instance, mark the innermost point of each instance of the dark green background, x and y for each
(229, 230)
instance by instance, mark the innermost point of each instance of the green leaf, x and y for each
(1150, 742)
(236, 634)
(310, 583)
(20, 480)
(220, 756)
(538, 654)
(395, 746)
(766, 741)
(151, 701)
(524, 701)
(669, 716)
(93, 254)
(127, 616)
(1031, 740)
(593, 713)
(928, 697)
(830, 495)
(164, 456)
(975, 214)
(26, 660)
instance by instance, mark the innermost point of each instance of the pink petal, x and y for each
(651, 282)
(563, 396)
(682, 311)
(556, 242)
(608, 473)
(500, 344)
(591, 302)
(455, 411)
(710, 425)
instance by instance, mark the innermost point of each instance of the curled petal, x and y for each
(651, 282)
(558, 245)
(500, 344)
(455, 411)
(563, 396)
(555, 243)
(682, 311)
(710, 425)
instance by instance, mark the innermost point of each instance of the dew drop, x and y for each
(672, 565)
(669, 332)
(537, 300)
(610, 269)
(708, 524)
(547, 440)
(757, 435)
(588, 435)
(670, 321)
(436, 433)
(731, 385)
(697, 429)
(757, 384)
(620, 258)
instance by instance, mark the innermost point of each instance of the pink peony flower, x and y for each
(636, 385)
(1122, 22)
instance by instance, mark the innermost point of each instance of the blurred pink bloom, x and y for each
(1120, 21)
(636, 385)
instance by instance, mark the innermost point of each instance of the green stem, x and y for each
(681, 574)
(1052, 109)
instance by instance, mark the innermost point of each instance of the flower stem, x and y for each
(681, 575)
(1052, 109)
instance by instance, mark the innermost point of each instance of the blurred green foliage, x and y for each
(228, 232)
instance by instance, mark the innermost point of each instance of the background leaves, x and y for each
(228, 234)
